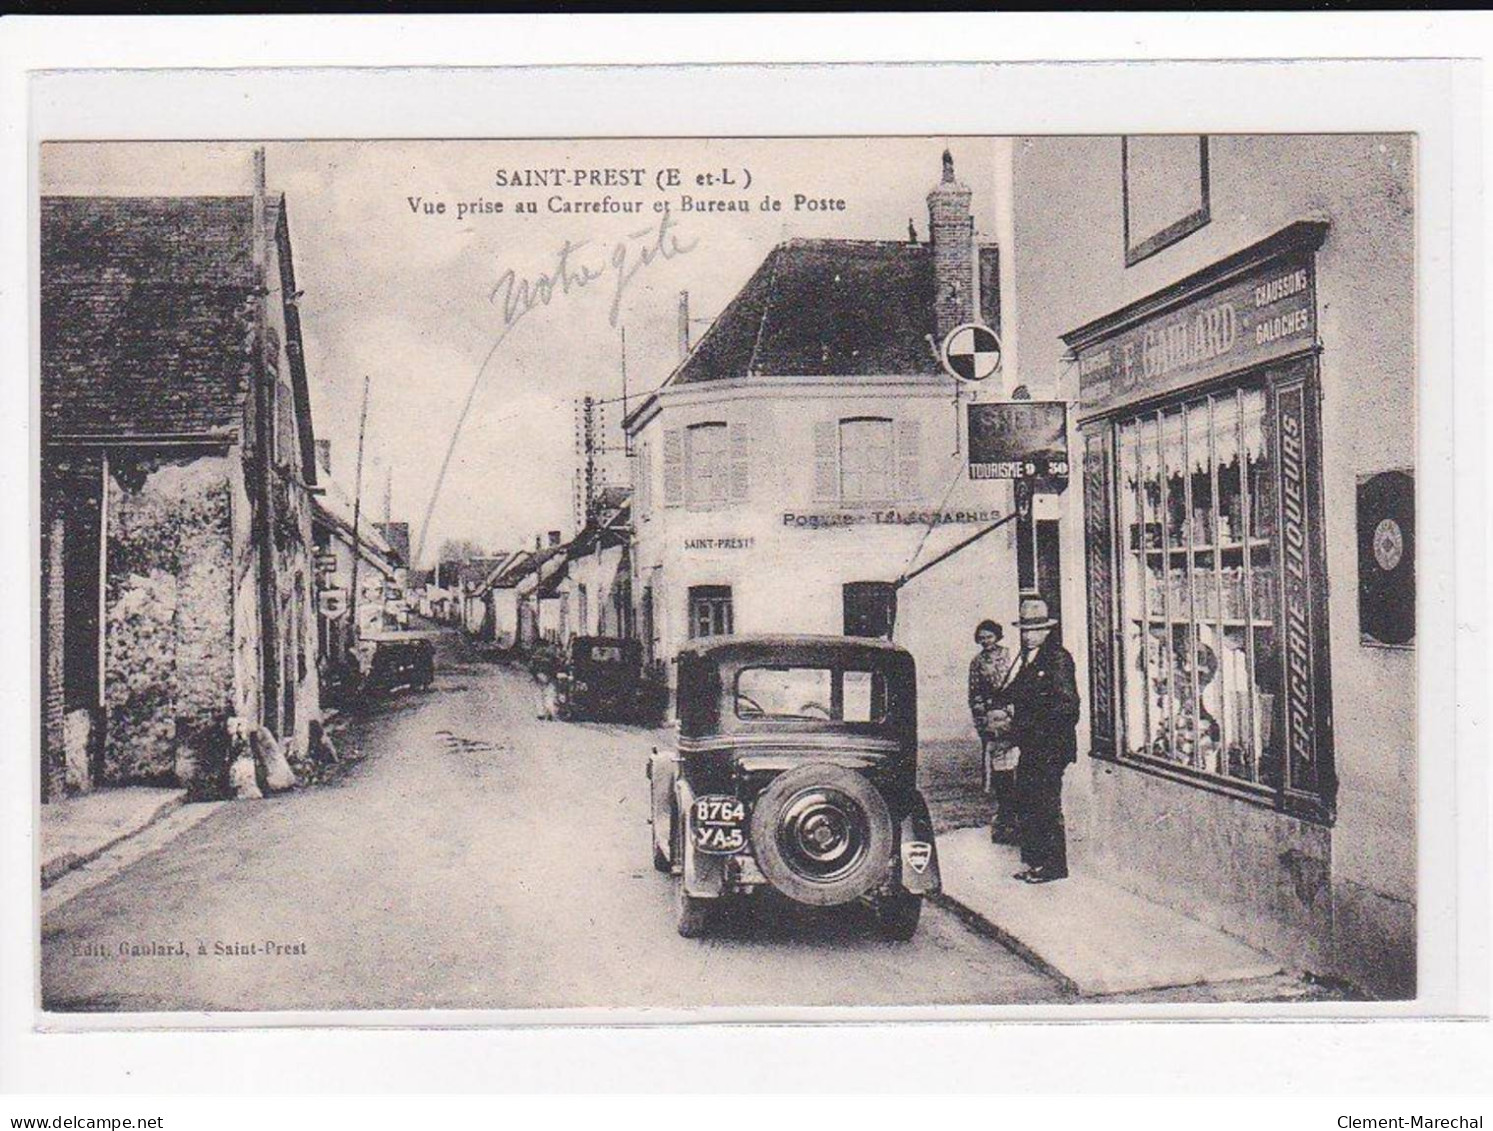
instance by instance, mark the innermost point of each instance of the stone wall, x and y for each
(168, 652)
(53, 706)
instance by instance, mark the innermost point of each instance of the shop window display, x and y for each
(1196, 496)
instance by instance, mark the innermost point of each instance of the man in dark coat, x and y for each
(1044, 694)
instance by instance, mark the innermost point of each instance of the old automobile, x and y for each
(795, 770)
(602, 678)
(397, 659)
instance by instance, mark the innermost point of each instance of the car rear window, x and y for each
(810, 693)
(606, 653)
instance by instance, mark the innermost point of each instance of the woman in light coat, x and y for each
(991, 712)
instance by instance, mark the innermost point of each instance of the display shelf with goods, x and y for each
(1197, 592)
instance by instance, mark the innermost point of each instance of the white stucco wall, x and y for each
(787, 576)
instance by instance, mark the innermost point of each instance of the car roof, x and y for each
(777, 645)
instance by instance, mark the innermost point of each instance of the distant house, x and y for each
(598, 581)
(537, 595)
(177, 469)
(471, 577)
(378, 575)
(397, 535)
(499, 592)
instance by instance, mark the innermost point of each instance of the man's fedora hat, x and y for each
(1034, 614)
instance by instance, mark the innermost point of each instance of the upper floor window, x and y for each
(286, 436)
(707, 465)
(867, 460)
(1164, 190)
(707, 473)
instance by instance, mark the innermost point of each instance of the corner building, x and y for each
(1233, 318)
(789, 471)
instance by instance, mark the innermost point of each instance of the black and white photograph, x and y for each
(919, 567)
(691, 572)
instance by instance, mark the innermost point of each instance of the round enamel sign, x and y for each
(971, 352)
(1389, 544)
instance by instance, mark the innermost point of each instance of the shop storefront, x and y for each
(1202, 514)
(1233, 321)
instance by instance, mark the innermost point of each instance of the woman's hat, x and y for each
(1034, 614)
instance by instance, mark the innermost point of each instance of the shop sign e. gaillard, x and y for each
(971, 352)
(1265, 314)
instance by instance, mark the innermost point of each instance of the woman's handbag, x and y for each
(997, 723)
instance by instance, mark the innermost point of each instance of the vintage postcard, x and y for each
(727, 572)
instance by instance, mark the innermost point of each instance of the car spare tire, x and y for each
(822, 834)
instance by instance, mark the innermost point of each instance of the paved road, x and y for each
(476, 857)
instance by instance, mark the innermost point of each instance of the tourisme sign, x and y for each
(1018, 440)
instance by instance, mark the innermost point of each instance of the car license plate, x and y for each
(719, 825)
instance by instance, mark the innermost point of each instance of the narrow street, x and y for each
(475, 858)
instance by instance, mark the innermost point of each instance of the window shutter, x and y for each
(826, 461)
(741, 459)
(673, 467)
(909, 460)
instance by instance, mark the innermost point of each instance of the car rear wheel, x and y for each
(897, 916)
(822, 834)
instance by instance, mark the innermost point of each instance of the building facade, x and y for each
(598, 578)
(1233, 318)
(177, 466)
(342, 622)
(807, 454)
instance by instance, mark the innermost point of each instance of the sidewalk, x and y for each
(1096, 938)
(78, 829)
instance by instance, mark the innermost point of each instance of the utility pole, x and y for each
(264, 444)
(352, 600)
(626, 440)
(588, 437)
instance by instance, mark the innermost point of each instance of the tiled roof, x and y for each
(827, 307)
(335, 507)
(146, 314)
(473, 572)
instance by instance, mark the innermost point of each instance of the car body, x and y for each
(399, 659)
(796, 770)
(602, 678)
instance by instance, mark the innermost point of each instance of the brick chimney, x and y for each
(554, 536)
(951, 233)
(324, 456)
